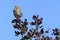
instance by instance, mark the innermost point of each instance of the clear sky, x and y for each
(48, 9)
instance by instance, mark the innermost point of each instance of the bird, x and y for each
(17, 12)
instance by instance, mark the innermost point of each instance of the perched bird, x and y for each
(17, 12)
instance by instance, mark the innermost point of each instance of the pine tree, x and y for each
(33, 32)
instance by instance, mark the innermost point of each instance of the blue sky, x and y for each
(48, 9)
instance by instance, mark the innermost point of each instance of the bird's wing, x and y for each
(15, 13)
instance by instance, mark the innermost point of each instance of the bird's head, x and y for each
(17, 7)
